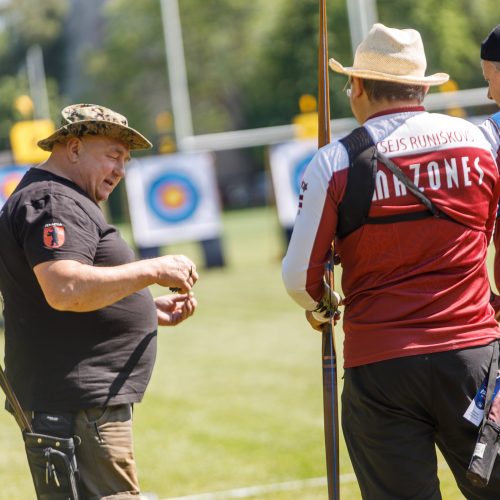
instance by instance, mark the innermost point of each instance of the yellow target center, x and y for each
(173, 197)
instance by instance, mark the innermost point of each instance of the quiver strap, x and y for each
(356, 202)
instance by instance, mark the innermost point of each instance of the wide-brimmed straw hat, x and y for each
(391, 55)
(92, 119)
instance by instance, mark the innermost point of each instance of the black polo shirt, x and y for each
(64, 360)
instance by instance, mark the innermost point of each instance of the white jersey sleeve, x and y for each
(315, 225)
(491, 130)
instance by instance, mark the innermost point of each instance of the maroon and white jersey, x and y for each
(410, 287)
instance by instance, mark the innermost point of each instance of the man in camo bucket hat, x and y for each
(91, 119)
(83, 354)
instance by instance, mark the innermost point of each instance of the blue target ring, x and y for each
(9, 179)
(173, 197)
(298, 172)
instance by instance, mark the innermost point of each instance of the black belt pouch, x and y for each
(51, 458)
(485, 454)
(487, 444)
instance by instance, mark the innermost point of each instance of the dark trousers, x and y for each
(395, 412)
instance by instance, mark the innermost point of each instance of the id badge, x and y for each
(475, 411)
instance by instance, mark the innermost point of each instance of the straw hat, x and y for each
(91, 119)
(391, 55)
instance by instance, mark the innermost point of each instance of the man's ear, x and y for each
(357, 86)
(73, 149)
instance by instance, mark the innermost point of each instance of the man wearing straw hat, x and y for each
(410, 199)
(80, 323)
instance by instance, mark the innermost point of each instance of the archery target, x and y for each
(288, 163)
(173, 198)
(9, 179)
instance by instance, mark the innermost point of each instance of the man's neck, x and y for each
(51, 165)
(383, 107)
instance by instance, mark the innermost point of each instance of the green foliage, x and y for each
(26, 23)
(286, 67)
(452, 31)
(129, 72)
(239, 55)
(220, 38)
(10, 88)
(221, 54)
(32, 21)
(247, 62)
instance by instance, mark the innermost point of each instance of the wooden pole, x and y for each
(323, 81)
(329, 361)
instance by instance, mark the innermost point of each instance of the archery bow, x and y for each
(329, 362)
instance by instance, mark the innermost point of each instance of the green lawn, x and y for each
(235, 399)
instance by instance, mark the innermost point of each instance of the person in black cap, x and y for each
(490, 63)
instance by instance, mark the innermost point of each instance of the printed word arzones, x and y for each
(447, 173)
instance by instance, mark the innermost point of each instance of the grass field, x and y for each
(235, 399)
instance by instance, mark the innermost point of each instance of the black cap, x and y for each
(490, 48)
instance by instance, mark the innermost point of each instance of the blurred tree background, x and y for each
(247, 62)
(25, 23)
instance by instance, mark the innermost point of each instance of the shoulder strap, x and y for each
(357, 141)
(411, 186)
(355, 205)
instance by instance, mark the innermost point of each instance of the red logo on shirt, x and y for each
(53, 235)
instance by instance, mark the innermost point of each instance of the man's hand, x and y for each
(317, 325)
(320, 316)
(176, 271)
(173, 309)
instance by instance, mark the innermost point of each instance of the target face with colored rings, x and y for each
(9, 179)
(173, 197)
(298, 172)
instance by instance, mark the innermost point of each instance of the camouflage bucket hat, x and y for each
(91, 119)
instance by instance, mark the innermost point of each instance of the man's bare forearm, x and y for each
(72, 286)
